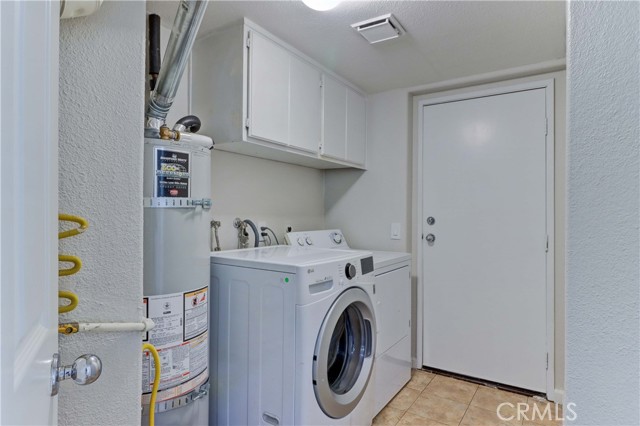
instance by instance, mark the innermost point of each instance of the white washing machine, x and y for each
(293, 335)
(392, 307)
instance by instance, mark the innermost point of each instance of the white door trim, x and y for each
(548, 85)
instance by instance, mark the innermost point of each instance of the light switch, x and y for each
(395, 231)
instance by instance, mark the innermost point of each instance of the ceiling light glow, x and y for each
(321, 5)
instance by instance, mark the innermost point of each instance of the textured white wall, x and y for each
(365, 204)
(278, 194)
(101, 139)
(603, 282)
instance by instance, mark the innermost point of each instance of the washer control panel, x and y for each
(330, 238)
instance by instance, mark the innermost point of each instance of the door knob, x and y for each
(85, 370)
(430, 238)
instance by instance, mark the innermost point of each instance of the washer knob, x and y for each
(350, 271)
(337, 238)
(308, 239)
(300, 241)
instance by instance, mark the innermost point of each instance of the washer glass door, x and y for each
(344, 353)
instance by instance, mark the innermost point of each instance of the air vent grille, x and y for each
(380, 29)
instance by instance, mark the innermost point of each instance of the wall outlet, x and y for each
(395, 231)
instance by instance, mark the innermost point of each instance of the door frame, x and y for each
(474, 93)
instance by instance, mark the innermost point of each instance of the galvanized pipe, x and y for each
(183, 35)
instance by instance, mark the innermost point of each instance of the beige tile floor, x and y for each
(434, 400)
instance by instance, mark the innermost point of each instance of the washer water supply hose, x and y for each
(156, 381)
(77, 263)
(256, 235)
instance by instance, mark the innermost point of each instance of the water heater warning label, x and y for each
(181, 337)
(196, 318)
(172, 173)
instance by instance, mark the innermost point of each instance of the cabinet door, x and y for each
(268, 90)
(334, 112)
(356, 127)
(305, 114)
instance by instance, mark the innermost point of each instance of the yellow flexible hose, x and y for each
(156, 382)
(77, 263)
(75, 231)
(71, 297)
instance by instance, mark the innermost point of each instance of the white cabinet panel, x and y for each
(258, 96)
(268, 90)
(356, 127)
(305, 105)
(335, 118)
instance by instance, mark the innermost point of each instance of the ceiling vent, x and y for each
(385, 27)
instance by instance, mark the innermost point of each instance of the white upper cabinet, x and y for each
(305, 105)
(268, 116)
(258, 96)
(344, 122)
(334, 123)
(356, 127)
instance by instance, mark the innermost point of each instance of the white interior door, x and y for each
(28, 210)
(484, 184)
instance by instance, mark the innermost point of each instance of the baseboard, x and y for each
(415, 364)
(558, 396)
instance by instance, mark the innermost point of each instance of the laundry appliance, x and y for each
(391, 296)
(293, 337)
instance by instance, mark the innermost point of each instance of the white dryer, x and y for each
(293, 337)
(391, 295)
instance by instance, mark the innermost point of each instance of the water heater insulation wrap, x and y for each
(176, 263)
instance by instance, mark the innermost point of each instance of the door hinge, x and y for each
(374, 289)
(248, 39)
(547, 360)
(247, 122)
(546, 126)
(546, 250)
(321, 83)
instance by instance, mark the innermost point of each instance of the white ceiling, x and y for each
(445, 40)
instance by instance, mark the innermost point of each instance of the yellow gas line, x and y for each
(77, 263)
(156, 381)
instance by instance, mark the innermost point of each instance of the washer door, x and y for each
(344, 353)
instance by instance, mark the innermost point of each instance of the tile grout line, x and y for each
(421, 392)
(468, 405)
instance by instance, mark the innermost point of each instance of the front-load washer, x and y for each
(293, 337)
(391, 295)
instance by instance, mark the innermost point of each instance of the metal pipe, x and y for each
(79, 327)
(154, 50)
(183, 35)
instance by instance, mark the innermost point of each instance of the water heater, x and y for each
(177, 187)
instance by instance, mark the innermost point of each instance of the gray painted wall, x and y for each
(101, 140)
(603, 282)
